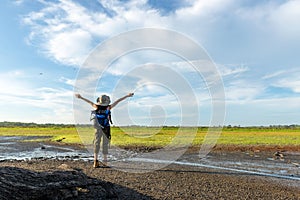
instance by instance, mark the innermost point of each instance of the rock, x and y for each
(278, 155)
(59, 140)
(65, 167)
(296, 164)
(17, 183)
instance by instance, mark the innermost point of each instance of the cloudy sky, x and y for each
(254, 45)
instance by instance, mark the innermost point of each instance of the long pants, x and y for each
(105, 134)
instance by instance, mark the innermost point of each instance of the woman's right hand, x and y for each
(78, 96)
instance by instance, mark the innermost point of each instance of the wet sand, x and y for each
(220, 175)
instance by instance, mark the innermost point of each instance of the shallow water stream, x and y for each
(263, 164)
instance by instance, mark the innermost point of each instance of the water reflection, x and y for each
(18, 148)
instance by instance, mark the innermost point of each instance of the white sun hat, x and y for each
(104, 100)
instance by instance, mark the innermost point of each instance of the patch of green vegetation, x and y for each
(54, 133)
(161, 136)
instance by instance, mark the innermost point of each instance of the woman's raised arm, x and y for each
(121, 99)
(86, 100)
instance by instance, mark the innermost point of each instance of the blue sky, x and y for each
(254, 44)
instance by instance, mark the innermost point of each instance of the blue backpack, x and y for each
(101, 117)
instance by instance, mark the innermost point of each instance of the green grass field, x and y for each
(157, 137)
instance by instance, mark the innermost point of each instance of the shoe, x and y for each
(96, 164)
(105, 164)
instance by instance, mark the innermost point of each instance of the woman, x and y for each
(102, 126)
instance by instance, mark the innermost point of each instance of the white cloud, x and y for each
(12, 83)
(66, 28)
(292, 83)
(70, 47)
(232, 70)
(66, 32)
(264, 112)
(288, 79)
(278, 18)
(286, 17)
(202, 8)
(29, 103)
(18, 2)
(68, 81)
(273, 75)
(240, 91)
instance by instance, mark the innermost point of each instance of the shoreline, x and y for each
(175, 180)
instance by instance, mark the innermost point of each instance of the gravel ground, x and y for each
(175, 182)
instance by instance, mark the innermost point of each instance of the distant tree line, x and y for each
(226, 127)
(34, 125)
(271, 127)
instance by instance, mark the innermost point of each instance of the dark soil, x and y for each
(172, 182)
(175, 181)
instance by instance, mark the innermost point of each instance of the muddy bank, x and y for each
(174, 182)
(254, 160)
(232, 173)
